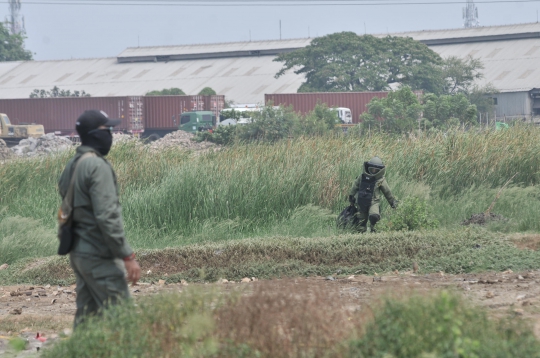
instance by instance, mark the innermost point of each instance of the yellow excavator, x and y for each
(13, 134)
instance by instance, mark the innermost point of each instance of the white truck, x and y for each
(344, 114)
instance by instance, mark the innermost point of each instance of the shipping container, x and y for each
(305, 102)
(162, 113)
(140, 115)
(58, 115)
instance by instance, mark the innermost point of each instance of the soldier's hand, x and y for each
(133, 271)
(351, 200)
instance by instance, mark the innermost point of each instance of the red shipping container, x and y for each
(58, 115)
(305, 102)
(162, 113)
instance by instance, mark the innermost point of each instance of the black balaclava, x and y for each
(99, 139)
(87, 127)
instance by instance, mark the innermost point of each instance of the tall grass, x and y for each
(293, 187)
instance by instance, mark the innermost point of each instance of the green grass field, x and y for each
(287, 189)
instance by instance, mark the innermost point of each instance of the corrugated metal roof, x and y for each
(510, 65)
(240, 79)
(470, 32)
(213, 48)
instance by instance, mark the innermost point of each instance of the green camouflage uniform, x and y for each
(100, 243)
(373, 213)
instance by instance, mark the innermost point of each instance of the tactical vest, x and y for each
(365, 194)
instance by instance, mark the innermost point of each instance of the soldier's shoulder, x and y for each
(94, 162)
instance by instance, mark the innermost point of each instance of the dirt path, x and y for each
(49, 310)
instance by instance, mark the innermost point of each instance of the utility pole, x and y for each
(16, 22)
(280, 29)
(470, 15)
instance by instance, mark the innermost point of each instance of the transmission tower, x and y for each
(15, 20)
(470, 15)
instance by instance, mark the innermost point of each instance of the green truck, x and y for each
(197, 121)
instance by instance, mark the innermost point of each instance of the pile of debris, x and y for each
(183, 140)
(5, 152)
(120, 138)
(46, 144)
(483, 219)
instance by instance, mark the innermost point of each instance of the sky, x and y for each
(83, 31)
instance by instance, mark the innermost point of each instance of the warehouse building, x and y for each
(244, 71)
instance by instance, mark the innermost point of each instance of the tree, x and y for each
(482, 97)
(57, 92)
(448, 110)
(344, 62)
(398, 113)
(12, 46)
(207, 91)
(319, 121)
(460, 74)
(167, 92)
(402, 112)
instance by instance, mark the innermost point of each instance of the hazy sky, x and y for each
(70, 31)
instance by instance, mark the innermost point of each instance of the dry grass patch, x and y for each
(527, 241)
(289, 319)
(30, 322)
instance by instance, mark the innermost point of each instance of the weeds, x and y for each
(291, 319)
(465, 250)
(443, 325)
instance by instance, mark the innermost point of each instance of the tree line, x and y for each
(347, 62)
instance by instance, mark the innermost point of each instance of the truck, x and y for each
(197, 121)
(344, 114)
(13, 134)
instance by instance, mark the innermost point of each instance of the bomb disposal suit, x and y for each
(366, 193)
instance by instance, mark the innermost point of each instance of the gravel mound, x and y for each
(120, 138)
(44, 145)
(5, 152)
(483, 219)
(182, 140)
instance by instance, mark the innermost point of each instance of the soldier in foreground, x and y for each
(366, 193)
(100, 255)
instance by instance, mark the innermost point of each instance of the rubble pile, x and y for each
(183, 140)
(120, 138)
(46, 144)
(5, 152)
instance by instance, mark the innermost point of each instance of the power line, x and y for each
(258, 3)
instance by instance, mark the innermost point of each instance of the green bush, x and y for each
(411, 214)
(271, 124)
(442, 326)
(222, 135)
(163, 325)
(318, 122)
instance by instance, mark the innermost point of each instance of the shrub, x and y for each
(269, 125)
(164, 325)
(411, 214)
(319, 121)
(222, 135)
(442, 325)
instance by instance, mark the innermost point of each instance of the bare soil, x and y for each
(49, 310)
